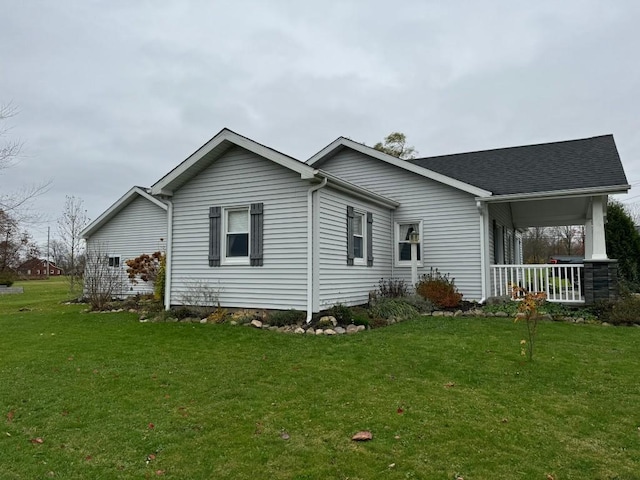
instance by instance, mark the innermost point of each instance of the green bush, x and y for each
(393, 308)
(624, 311)
(280, 318)
(421, 304)
(185, 312)
(342, 313)
(7, 278)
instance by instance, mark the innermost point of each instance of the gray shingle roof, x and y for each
(571, 164)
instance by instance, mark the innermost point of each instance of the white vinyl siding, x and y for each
(240, 178)
(450, 238)
(338, 282)
(140, 227)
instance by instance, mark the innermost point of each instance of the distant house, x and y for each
(36, 268)
(262, 229)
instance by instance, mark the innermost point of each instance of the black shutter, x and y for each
(214, 236)
(350, 236)
(257, 224)
(369, 239)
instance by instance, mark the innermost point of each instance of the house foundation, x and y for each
(600, 280)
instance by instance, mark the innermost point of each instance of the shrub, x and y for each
(342, 313)
(185, 312)
(391, 288)
(7, 278)
(421, 304)
(281, 318)
(440, 289)
(392, 308)
(624, 311)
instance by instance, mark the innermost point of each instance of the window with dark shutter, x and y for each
(350, 255)
(214, 236)
(369, 239)
(257, 226)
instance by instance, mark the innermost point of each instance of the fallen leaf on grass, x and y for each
(159, 472)
(88, 458)
(151, 426)
(150, 458)
(449, 385)
(400, 411)
(550, 477)
(10, 416)
(37, 441)
(363, 436)
(284, 435)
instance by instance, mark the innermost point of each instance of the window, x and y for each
(359, 238)
(236, 224)
(403, 230)
(114, 261)
(235, 235)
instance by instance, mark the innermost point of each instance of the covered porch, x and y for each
(575, 283)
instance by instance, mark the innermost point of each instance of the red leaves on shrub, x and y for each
(440, 289)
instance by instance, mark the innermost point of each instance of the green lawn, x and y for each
(442, 396)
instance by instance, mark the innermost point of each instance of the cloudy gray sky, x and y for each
(115, 93)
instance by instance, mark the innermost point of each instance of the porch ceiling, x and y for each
(550, 212)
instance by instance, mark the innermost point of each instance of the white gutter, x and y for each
(168, 257)
(553, 194)
(310, 247)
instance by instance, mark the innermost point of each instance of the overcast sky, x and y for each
(115, 93)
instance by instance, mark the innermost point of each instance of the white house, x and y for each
(264, 230)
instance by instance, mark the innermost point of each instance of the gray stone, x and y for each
(256, 323)
(233, 322)
(329, 331)
(448, 314)
(310, 331)
(361, 328)
(319, 331)
(204, 320)
(328, 320)
(501, 314)
(580, 320)
(352, 328)
(457, 313)
(340, 330)
(438, 313)
(605, 324)
(299, 330)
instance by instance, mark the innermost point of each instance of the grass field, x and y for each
(103, 396)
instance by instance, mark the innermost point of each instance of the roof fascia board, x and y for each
(163, 186)
(122, 202)
(557, 194)
(425, 172)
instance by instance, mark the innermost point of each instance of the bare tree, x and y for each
(15, 203)
(15, 244)
(73, 220)
(102, 282)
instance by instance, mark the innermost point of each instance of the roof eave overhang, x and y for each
(356, 191)
(167, 184)
(556, 194)
(122, 202)
(326, 152)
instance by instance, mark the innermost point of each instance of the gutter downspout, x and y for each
(169, 256)
(310, 247)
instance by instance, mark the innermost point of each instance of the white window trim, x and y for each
(396, 238)
(110, 256)
(224, 260)
(363, 260)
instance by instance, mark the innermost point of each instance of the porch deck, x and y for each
(561, 283)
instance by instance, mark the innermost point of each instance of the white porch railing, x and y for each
(561, 283)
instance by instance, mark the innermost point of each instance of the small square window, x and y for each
(114, 262)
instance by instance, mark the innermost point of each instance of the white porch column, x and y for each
(598, 245)
(588, 239)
